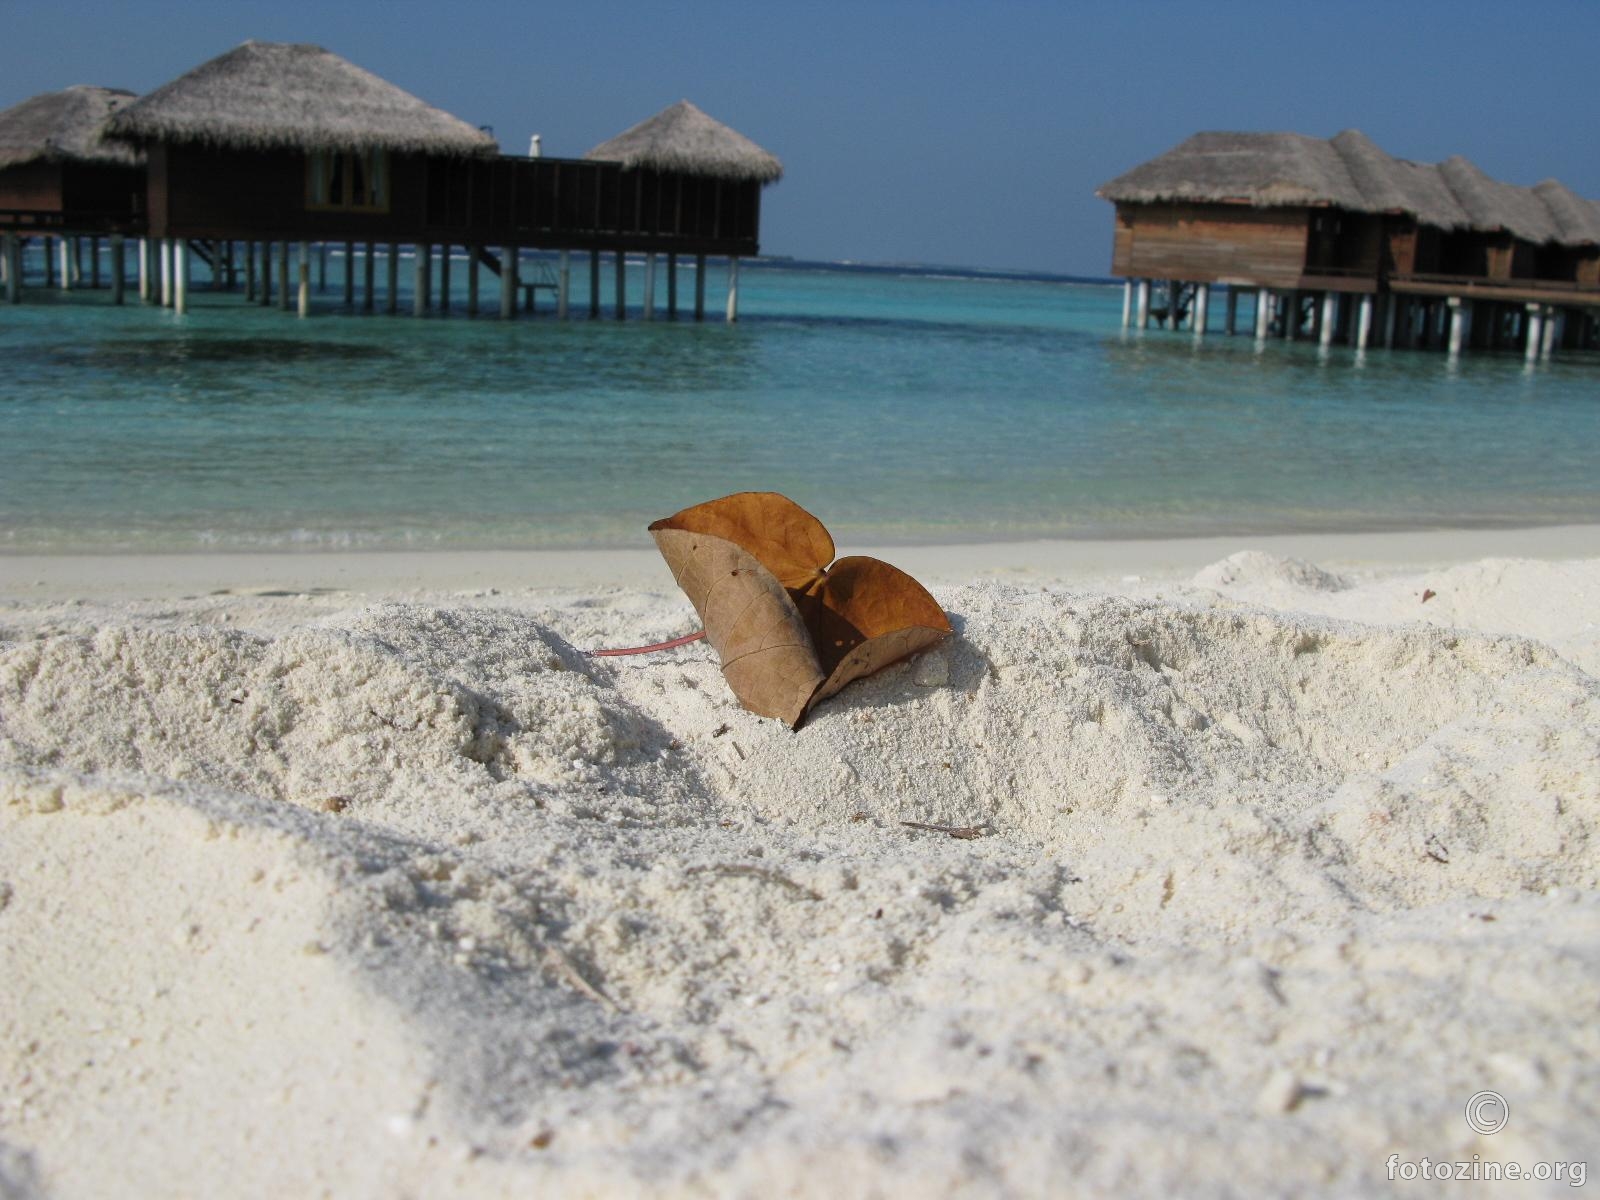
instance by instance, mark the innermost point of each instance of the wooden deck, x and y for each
(1504, 291)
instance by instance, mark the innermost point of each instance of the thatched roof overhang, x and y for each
(1578, 219)
(1273, 170)
(276, 95)
(66, 126)
(682, 138)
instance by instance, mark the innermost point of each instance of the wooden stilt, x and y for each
(392, 280)
(699, 287)
(508, 284)
(94, 262)
(1232, 325)
(249, 272)
(349, 274)
(1552, 323)
(264, 297)
(1364, 322)
(1535, 327)
(733, 288)
(563, 285)
(1458, 325)
(285, 285)
(594, 284)
(421, 254)
(622, 285)
(180, 275)
(444, 278)
(1263, 313)
(649, 287)
(473, 250)
(1202, 308)
(1142, 304)
(368, 271)
(1329, 324)
(1127, 302)
(13, 269)
(322, 266)
(66, 262)
(303, 298)
(228, 267)
(49, 262)
(164, 249)
(119, 267)
(672, 287)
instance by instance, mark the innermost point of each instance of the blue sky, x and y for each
(959, 133)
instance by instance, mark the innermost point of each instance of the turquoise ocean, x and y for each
(901, 405)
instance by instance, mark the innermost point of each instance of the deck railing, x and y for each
(576, 202)
(52, 221)
(1480, 282)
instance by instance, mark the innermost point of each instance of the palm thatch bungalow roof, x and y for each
(682, 138)
(1348, 171)
(65, 126)
(277, 95)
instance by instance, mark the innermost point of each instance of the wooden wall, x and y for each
(210, 193)
(76, 197)
(1209, 243)
(35, 186)
(544, 202)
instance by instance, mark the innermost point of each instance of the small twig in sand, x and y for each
(742, 871)
(559, 965)
(668, 645)
(966, 833)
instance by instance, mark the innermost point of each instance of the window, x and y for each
(348, 179)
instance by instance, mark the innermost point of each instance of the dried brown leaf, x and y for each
(755, 566)
(750, 621)
(872, 615)
(788, 540)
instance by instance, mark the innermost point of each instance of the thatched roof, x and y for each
(65, 126)
(274, 95)
(1350, 172)
(682, 138)
(1577, 219)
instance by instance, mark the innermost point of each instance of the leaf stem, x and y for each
(675, 642)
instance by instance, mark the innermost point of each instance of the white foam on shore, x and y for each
(326, 892)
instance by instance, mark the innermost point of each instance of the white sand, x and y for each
(345, 875)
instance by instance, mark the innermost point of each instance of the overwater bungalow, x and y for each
(62, 179)
(690, 184)
(279, 145)
(273, 143)
(1337, 240)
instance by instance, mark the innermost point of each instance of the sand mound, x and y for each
(1261, 571)
(418, 898)
(1554, 602)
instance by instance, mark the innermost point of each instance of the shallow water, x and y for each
(898, 407)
